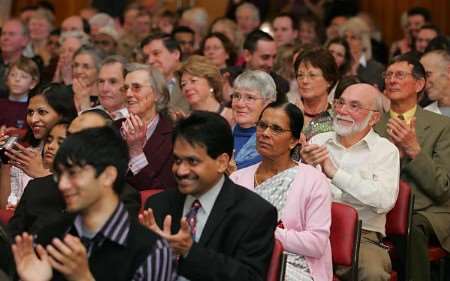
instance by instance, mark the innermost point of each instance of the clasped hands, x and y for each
(404, 136)
(68, 256)
(180, 242)
(314, 154)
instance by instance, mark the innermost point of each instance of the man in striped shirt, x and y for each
(97, 240)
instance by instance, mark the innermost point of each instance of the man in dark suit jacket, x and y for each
(231, 235)
(423, 139)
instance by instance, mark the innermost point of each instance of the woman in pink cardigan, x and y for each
(300, 193)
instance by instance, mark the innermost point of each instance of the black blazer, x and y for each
(41, 203)
(237, 240)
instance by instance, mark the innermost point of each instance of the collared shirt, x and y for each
(171, 84)
(367, 176)
(408, 115)
(442, 110)
(22, 98)
(207, 201)
(363, 60)
(139, 162)
(159, 264)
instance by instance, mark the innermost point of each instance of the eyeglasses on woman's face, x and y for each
(274, 128)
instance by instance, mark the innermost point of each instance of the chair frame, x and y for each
(281, 263)
(355, 262)
(403, 241)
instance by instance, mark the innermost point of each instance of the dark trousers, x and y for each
(421, 233)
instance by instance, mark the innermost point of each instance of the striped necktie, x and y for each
(191, 216)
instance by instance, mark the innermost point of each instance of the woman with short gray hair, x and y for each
(147, 130)
(85, 68)
(252, 91)
(357, 33)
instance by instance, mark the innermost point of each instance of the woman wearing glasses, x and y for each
(201, 84)
(252, 91)
(300, 193)
(148, 128)
(316, 73)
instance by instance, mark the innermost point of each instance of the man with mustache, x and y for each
(423, 139)
(220, 231)
(363, 169)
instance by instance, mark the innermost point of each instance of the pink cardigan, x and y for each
(306, 218)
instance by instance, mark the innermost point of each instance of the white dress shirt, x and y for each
(367, 176)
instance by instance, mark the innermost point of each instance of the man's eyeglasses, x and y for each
(275, 129)
(235, 97)
(399, 75)
(351, 106)
(135, 87)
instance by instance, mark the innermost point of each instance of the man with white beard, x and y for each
(363, 169)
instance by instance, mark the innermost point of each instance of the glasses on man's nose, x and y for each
(353, 107)
(399, 75)
(275, 129)
(135, 87)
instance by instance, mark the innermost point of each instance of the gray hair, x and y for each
(379, 103)
(359, 27)
(259, 81)
(248, 5)
(91, 51)
(199, 17)
(101, 20)
(444, 57)
(79, 35)
(157, 83)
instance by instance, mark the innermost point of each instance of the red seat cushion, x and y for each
(394, 276)
(436, 253)
(145, 194)
(5, 216)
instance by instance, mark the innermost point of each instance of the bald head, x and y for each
(73, 23)
(87, 120)
(367, 95)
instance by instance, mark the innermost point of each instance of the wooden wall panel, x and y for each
(64, 8)
(386, 14)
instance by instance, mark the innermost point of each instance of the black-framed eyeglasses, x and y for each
(274, 128)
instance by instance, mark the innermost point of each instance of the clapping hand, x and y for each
(134, 132)
(69, 256)
(404, 136)
(31, 265)
(28, 160)
(181, 242)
